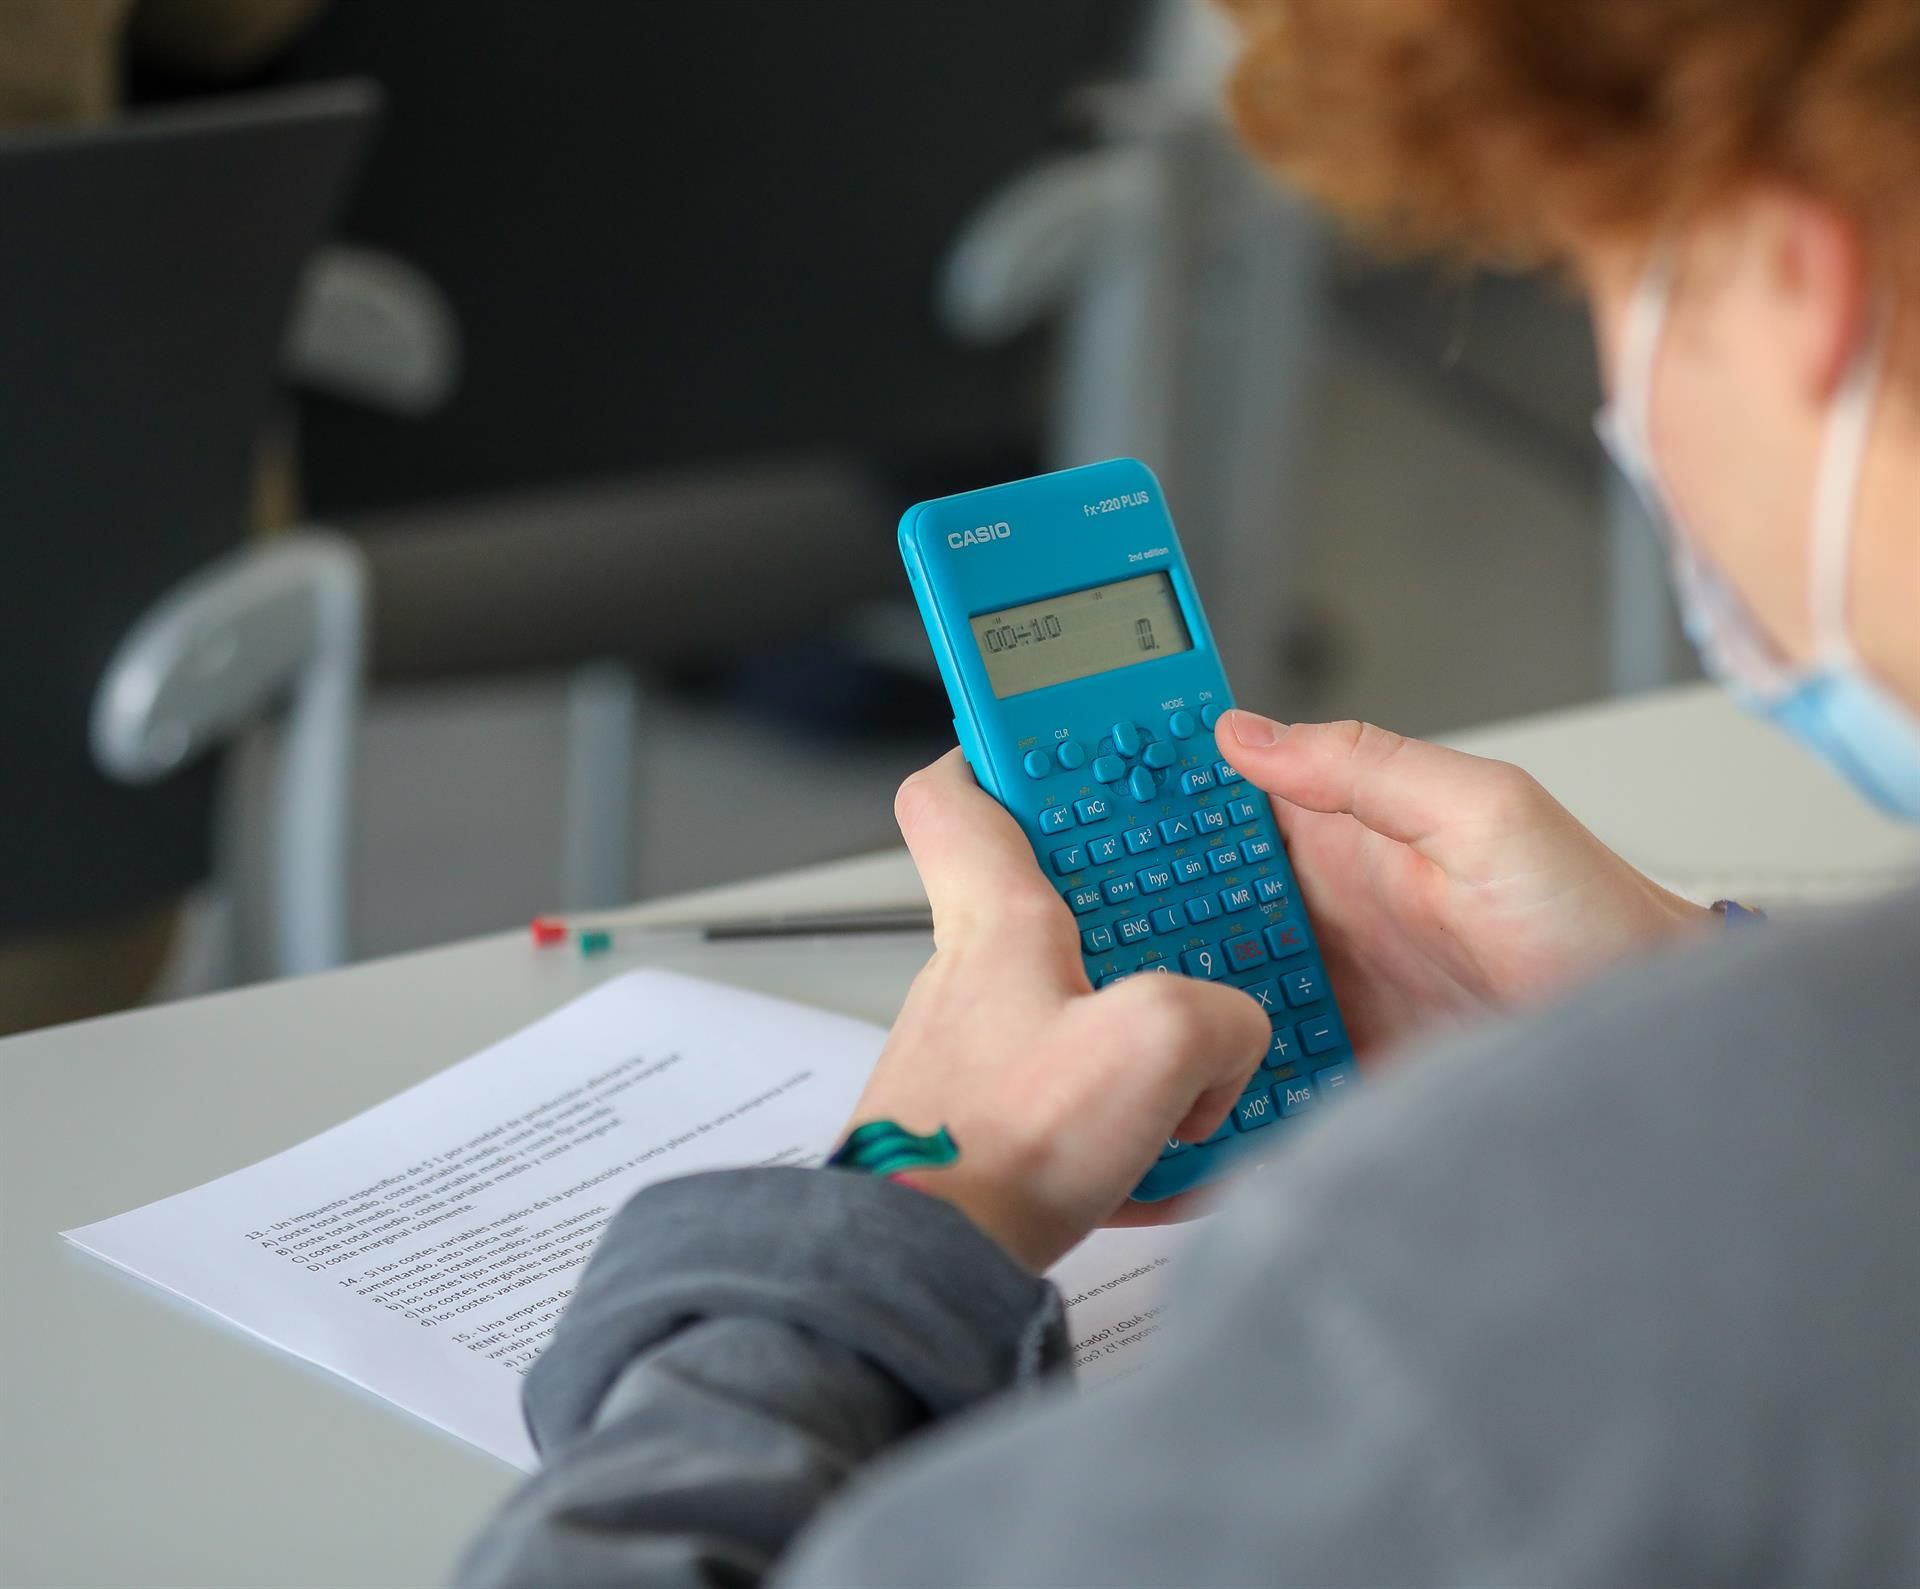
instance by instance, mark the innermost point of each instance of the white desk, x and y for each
(143, 1444)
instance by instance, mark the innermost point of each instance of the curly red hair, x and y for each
(1521, 131)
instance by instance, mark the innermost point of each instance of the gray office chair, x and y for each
(212, 659)
(148, 286)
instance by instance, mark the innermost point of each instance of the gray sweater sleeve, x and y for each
(739, 1344)
(1626, 1293)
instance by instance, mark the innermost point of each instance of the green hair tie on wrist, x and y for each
(880, 1147)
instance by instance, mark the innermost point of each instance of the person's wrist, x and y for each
(1011, 1222)
(937, 1165)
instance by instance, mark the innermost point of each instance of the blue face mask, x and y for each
(1833, 706)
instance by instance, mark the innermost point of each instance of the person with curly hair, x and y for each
(1612, 1274)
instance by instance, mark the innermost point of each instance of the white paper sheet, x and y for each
(425, 1248)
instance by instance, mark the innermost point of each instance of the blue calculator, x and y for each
(1085, 687)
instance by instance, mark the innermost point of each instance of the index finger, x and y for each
(1408, 790)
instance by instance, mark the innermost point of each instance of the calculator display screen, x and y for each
(1083, 632)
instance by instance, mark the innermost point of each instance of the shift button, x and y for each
(1038, 764)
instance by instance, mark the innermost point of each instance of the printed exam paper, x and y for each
(426, 1248)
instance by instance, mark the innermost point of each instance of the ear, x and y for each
(1808, 283)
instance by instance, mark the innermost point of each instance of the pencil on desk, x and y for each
(602, 931)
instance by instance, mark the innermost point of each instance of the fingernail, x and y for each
(1253, 730)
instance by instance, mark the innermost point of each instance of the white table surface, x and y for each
(142, 1443)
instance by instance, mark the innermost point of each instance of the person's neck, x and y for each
(1884, 605)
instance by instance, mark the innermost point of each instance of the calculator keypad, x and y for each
(1178, 867)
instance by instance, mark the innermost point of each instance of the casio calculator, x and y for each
(1085, 688)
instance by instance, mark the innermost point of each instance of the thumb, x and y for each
(1176, 1052)
(974, 862)
(1425, 796)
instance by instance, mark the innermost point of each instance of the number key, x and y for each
(1203, 963)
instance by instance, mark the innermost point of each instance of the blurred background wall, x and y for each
(645, 319)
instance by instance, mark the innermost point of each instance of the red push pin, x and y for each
(549, 930)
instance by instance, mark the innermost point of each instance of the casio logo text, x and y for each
(980, 536)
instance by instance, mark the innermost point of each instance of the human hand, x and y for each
(1060, 1098)
(1441, 885)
